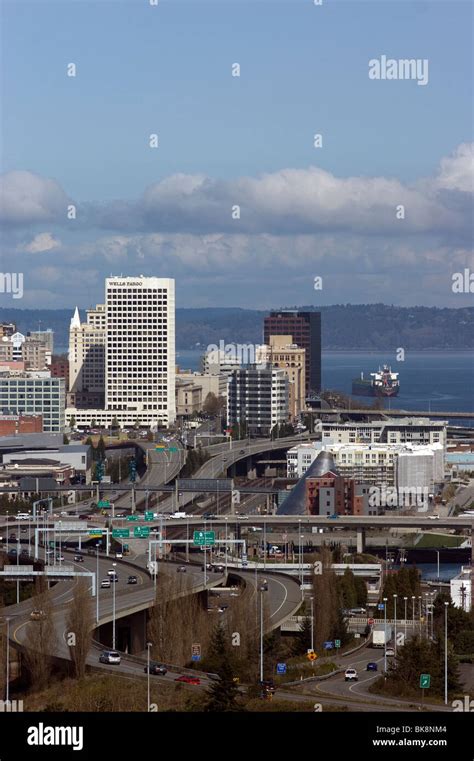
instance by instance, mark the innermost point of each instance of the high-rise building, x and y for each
(284, 354)
(33, 352)
(87, 359)
(257, 397)
(305, 330)
(34, 394)
(140, 347)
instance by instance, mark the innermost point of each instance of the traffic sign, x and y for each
(371, 621)
(381, 606)
(311, 655)
(337, 643)
(149, 516)
(120, 533)
(95, 533)
(204, 538)
(133, 517)
(141, 532)
(328, 645)
(103, 503)
(196, 651)
(281, 668)
(425, 681)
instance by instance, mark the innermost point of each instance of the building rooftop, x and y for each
(294, 504)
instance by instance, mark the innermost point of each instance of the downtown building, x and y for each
(133, 359)
(31, 393)
(305, 331)
(258, 397)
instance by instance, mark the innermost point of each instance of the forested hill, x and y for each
(375, 327)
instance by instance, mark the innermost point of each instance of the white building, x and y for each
(137, 325)
(210, 383)
(87, 357)
(258, 397)
(35, 393)
(404, 466)
(461, 589)
(78, 456)
(419, 431)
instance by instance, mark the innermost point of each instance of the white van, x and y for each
(23, 516)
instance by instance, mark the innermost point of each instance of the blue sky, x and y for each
(167, 70)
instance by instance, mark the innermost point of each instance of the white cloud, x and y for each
(40, 243)
(27, 198)
(457, 170)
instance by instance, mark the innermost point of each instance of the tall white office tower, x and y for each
(140, 347)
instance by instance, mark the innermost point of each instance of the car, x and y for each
(222, 608)
(119, 555)
(181, 569)
(132, 580)
(433, 517)
(109, 656)
(83, 517)
(188, 679)
(105, 584)
(333, 517)
(49, 552)
(390, 652)
(242, 451)
(351, 675)
(64, 514)
(372, 666)
(36, 614)
(111, 572)
(207, 567)
(242, 517)
(157, 669)
(60, 558)
(268, 686)
(78, 559)
(358, 611)
(219, 569)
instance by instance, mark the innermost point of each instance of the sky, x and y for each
(236, 201)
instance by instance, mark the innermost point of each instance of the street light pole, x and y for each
(7, 689)
(385, 634)
(17, 563)
(97, 585)
(395, 618)
(312, 622)
(113, 613)
(446, 653)
(405, 599)
(148, 646)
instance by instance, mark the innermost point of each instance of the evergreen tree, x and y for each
(223, 694)
(303, 637)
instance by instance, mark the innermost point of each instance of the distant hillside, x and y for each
(376, 327)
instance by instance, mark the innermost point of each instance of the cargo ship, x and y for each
(381, 383)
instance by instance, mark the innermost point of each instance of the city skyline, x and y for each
(307, 209)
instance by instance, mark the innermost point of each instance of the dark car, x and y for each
(188, 679)
(372, 666)
(268, 685)
(156, 668)
(242, 451)
(181, 569)
(132, 580)
(78, 559)
(219, 569)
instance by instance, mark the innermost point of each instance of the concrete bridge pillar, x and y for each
(360, 547)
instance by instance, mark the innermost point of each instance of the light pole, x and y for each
(413, 598)
(262, 589)
(301, 564)
(433, 595)
(405, 600)
(312, 623)
(446, 653)
(97, 585)
(225, 548)
(7, 686)
(437, 565)
(419, 610)
(385, 634)
(395, 618)
(113, 613)
(60, 542)
(148, 646)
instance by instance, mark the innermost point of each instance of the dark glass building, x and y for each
(305, 329)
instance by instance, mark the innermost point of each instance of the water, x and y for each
(432, 381)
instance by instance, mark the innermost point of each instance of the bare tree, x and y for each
(80, 622)
(41, 638)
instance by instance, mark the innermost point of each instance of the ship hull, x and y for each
(366, 389)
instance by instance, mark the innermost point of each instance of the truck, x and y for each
(381, 635)
(178, 515)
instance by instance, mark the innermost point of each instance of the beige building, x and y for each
(87, 358)
(281, 352)
(211, 383)
(189, 397)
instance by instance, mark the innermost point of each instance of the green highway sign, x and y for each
(337, 643)
(120, 533)
(95, 533)
(141, 532)
(148, 516)
(425, 681)
(103, 503)
(204, 538)
(133, 518)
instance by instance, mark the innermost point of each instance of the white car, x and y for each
(433, 517)
(351, 675)
(105, 584)
(390, 652)
(109, 656)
